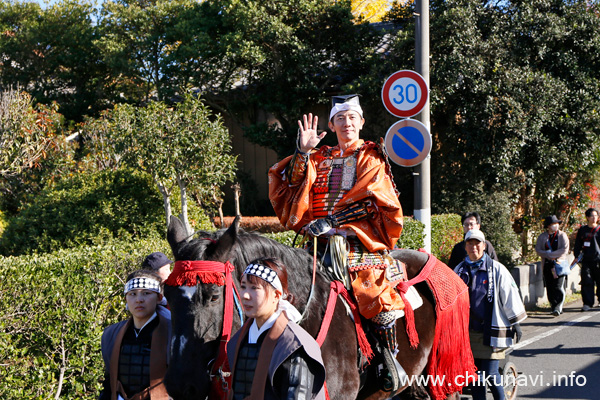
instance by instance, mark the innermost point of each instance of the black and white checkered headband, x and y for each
(142, 283)
(265, 273)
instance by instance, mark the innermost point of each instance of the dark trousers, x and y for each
(489, 374)
(590, 277)
(555, 288)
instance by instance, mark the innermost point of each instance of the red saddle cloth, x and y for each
(451, 359)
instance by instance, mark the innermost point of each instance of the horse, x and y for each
(198, 313)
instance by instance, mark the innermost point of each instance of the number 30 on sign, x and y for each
(405, 93)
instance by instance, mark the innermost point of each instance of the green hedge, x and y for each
(92, 209)
(87, 209)
(53, 309)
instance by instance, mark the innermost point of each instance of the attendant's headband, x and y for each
(265, 273)
(142, 283)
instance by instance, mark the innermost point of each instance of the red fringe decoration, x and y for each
(451, 354)
(409, 319)
(409, 313)
(190, 273)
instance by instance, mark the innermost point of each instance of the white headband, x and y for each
(142, 283)
(265, 273)
(345, 107)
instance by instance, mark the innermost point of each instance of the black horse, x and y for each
(197, 315)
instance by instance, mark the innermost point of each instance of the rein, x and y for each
(190, 273)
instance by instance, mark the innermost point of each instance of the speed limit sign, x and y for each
(405, 93)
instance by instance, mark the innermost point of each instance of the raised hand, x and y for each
(308, 137)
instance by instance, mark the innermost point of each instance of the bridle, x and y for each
(190, 273)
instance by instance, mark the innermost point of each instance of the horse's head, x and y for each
(196, 311)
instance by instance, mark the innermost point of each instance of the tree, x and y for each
(51, 53)
(26, 133)
(284, 57)
(514, 101)
(136, 42)
(372, 10)
(185, 146)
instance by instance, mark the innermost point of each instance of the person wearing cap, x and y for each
(345, 197)
(553, 246)
(495, 314)
(160, 263)
(271, 357)
(587, 249)
(469, 221)
(136, 351)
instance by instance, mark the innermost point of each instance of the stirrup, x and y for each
(392, 376)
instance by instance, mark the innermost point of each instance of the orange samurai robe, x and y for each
(326, 183)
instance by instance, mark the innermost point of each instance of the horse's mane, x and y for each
(250, 246)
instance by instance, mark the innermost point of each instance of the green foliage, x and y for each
(53, 309)
(136, 39)
(446, 231)
(26, 133)
(412, 234)
(515, 101)
(86, 209)
(51, 53)
(286, 237)
(496, 223)
(2, 222)
(184, 147)
(305, 47)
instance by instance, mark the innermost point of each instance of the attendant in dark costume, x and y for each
(553, 245)
(470, 221)
(587, 244)
(271, 356)
(135, 351)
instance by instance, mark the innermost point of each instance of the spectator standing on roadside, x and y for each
(495, 315)
(470, 221)
(587, 243)
(553, 245)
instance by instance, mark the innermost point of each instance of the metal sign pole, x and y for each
(421, 172)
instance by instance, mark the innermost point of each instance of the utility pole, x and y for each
(422, 183)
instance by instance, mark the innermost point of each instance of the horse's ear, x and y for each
(224, 246)
(176, 233)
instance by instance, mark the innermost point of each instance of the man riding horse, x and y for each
(346, 198)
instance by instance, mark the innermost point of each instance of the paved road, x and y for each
(559, 357)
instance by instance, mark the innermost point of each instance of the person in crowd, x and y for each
(136, 351)
(271, 357)
(345, 196)
(160, 263)
(553, 246)
(495, 315)
(470, 220)
(587, 245)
